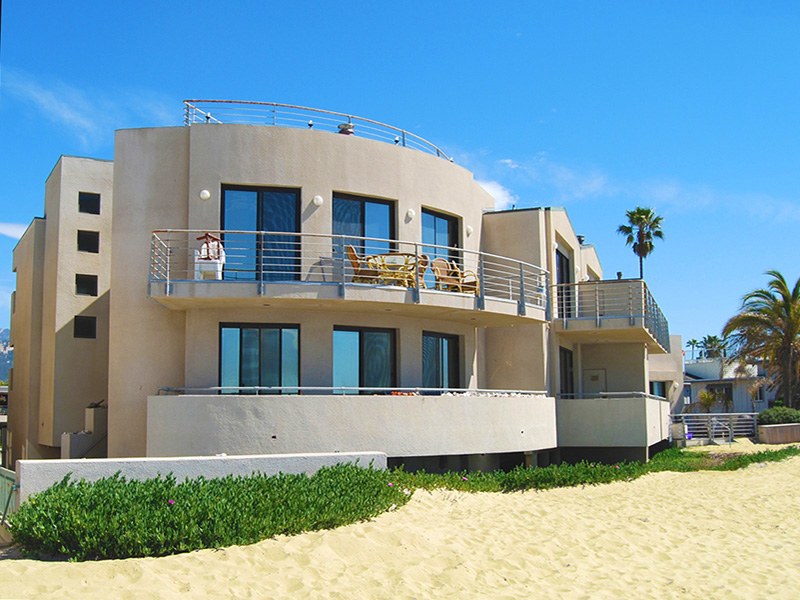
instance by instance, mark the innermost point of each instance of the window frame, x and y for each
(77, 285)
(95, 236)
(89, 197)
(86, 319)
(392, 204)
(240, 326)
(456, 357)
(393, 359)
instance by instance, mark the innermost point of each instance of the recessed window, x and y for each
(85, 327)
(439, 360)
(89, 241)
(259, 356)
(89, 203)
(86, 285)
(363, 217)
(363, 358)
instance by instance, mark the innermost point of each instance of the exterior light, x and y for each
(396, 140)
(318, 201)
(310, 123)
(411, 214)
(205, 194)
(469, 230)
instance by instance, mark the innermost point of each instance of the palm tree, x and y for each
(693, 343)
(713, 346)
(767, 329)
(643, 226)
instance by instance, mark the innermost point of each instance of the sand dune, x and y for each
(667, 535)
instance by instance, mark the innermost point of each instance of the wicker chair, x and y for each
(451, 278)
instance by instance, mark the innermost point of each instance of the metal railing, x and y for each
(616, 299)
(333, 390)
(8, 494)
(718, 425)
(288, 115)
(611, 395)
(283, 257)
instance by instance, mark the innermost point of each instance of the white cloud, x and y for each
(12, 230)
(503, 197)
(90, 115)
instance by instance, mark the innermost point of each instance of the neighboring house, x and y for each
(746, 391)
(269, 289)
(6, 355)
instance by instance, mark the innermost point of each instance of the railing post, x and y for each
(596, 304)
(521, 302)
(341, 260)
(168, 289)
(481, 286)
(630, 304)
(404, 138)
(415, 293)
(548, 307)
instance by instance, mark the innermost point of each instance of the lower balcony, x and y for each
(401, 424)
(630, 421)
(199, 269)
(611, 311)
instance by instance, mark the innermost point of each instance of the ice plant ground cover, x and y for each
(116, 518)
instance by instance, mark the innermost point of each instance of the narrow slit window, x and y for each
(86, 285)
(85, 327)
(89, 203)
(89, 241)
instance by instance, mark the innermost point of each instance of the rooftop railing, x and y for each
(616, 299)
(303, 117)
(323, 259)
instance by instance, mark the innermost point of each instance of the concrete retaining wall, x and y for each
(786, 433)
(35, 476)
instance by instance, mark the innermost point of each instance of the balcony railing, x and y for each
(265, 258)
(329, 390)
(287, 115)
(617, 299)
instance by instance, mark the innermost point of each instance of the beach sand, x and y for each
(666, 535)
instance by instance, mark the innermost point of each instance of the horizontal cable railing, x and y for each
(718, 425)
(287, 115)
(615, 299)
(285, 257)
(334, 390)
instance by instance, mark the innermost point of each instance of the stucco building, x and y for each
(259, 287)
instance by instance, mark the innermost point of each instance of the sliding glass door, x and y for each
(363, 217)
(261, 257)
(259, 356)
(439, 230)
(440, 361)
(363, 358)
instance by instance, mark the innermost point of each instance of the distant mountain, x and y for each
(6, 355)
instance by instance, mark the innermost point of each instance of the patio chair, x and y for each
(451, 278)
(363, 270)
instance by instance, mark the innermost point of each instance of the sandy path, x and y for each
(667, 535)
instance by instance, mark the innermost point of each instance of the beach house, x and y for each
(276, 279)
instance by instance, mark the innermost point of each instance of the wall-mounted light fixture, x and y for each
(469, 230)
(205, 194)
(318, 201)
(410, 214)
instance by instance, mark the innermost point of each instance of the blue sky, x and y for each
(689, 108)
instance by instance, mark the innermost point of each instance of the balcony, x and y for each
(287, 115)
(611, 311)
(200, 269)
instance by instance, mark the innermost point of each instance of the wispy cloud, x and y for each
(503, 197)
(12, 230)
(559, 181)
(88, 114)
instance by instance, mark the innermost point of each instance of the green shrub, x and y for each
(117, 518)
(778, 415)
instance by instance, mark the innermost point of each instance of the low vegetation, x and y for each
(117, 518)
(777, 415)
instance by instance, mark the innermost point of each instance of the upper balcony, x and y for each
(200, 269)
(287, 115)
(618, 310)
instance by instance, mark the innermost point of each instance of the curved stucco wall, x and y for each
(158, 175)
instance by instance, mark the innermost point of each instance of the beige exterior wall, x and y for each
(669, 368)
(625, 365)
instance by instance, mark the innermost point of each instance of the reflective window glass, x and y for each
(259, 356)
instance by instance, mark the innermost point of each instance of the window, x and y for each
(723, 392)
(86, 285)
(566, 371)
(363, 217)
(658, 388)
(253, 355)
(566, 304)
(89, 241)
(363, 358)
(439, 230)
(89, 203)
(266, 257)
(85, 327)
(440, 358)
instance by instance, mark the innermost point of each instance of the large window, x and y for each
(264, 257)
(440, 360)
(254, 355)
(363, 358)
(439, 230)
(363, 217)
(658, 388)
(566, 371)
